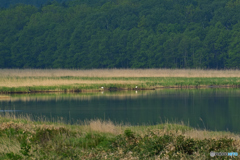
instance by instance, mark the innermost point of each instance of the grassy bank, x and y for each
(95, 84)
(21, 138)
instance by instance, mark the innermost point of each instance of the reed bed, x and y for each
(60, 80)
(23, 138)
(118, 73)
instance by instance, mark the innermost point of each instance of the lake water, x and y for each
(211, 109)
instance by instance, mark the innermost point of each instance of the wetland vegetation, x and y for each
(22, 138)
(93, 80)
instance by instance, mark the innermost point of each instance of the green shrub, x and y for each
(92, 140)
(13, 156)
(185, 145)
(44, 135)
(25, 144)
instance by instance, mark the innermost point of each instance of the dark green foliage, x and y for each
(25, 145)
(151, 144)
(38, 3)
(147, 146)
(13, 156)
(92, 141)
(120, 34)
(189, 145)
(129, 134)
(42, 136)
(11, 132)
(185, 145)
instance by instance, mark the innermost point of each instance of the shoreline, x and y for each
(20, 90)
(25, 84)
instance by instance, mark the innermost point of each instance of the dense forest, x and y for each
(37, 3)
(120, 34)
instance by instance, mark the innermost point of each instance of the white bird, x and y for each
(136, 87)
(102, 87)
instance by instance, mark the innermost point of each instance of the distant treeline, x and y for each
(121, 34)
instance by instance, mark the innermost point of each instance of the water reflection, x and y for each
(214, 109)
(9, 110)
(72, 96)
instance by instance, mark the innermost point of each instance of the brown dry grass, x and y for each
(104, 127)
(3, 97)
(7, 146)
(50, 77)
(119, 73)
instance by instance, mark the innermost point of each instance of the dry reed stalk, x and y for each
(203, 134)
(104, 126)
(7, 146)
(118, 73)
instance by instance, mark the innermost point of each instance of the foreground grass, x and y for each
(86, 84)
(21, 138)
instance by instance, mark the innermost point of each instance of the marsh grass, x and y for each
(22, 138)
(94, 84)
(63, 80)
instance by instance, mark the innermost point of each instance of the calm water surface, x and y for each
(213, 109)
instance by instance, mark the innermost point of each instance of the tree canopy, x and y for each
(120, 34)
